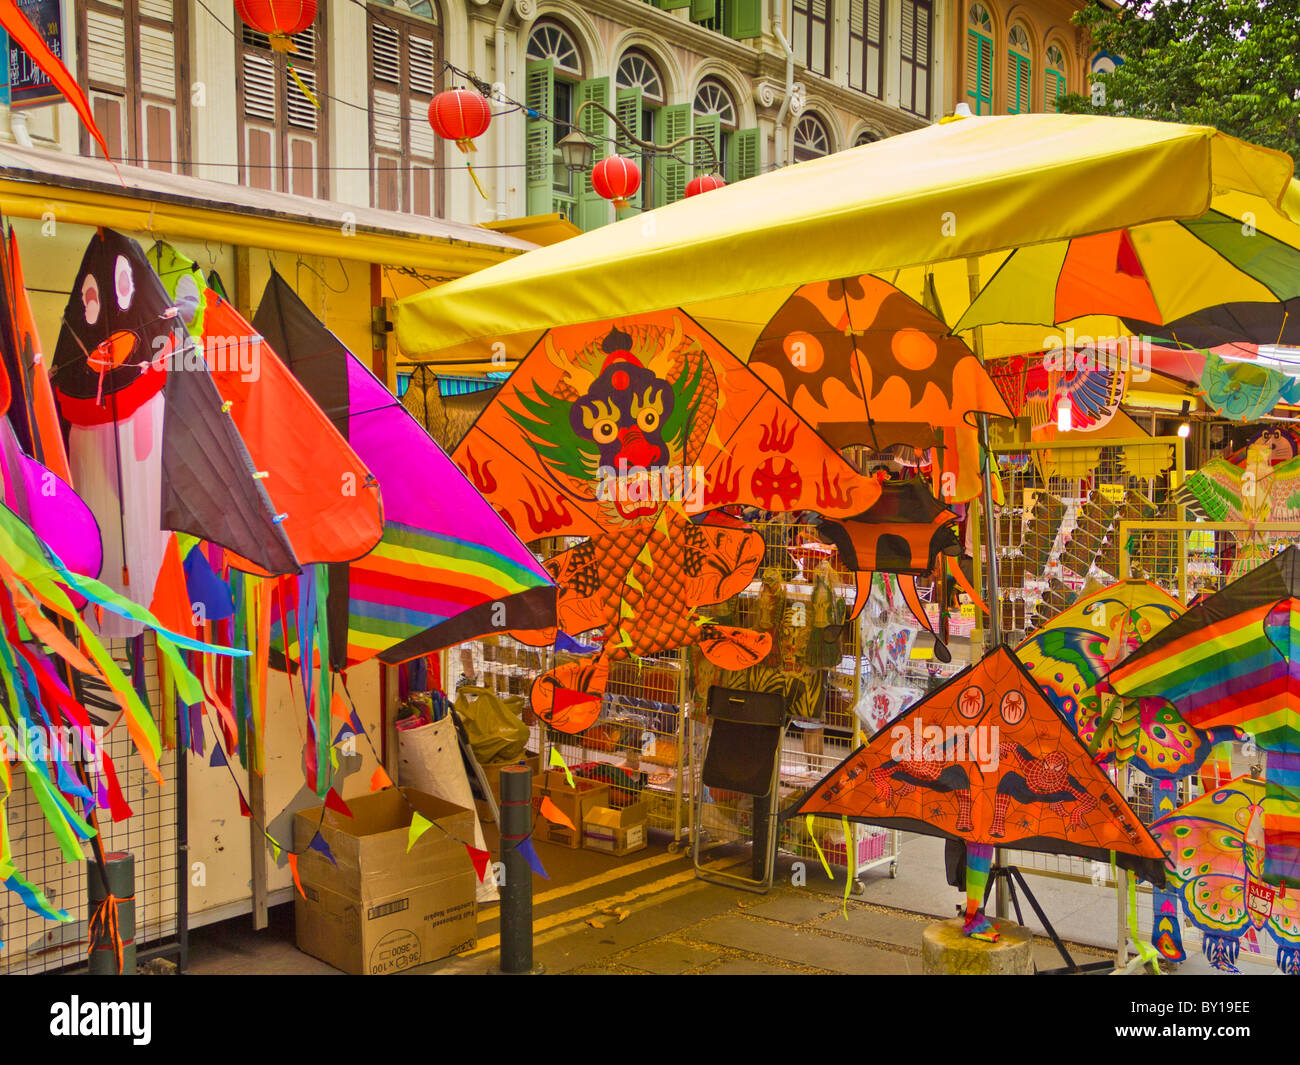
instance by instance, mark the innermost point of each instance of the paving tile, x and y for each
(667, 958)
(748, 967)
(879, 927)
(803, 947)
(792, 908)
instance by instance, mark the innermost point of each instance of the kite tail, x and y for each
(1288, 960)
(1221, 952)
(907, 585)
(979, 859)
(1282, 819)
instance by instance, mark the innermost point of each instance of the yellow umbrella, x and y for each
(926, 211)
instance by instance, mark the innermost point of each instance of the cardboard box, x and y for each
(572, 802)
(492, 770)
(377, 909)
(616, 832)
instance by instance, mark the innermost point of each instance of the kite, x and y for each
(446, 569)
(864, 363)
(151, 446)
(327, 500)
(1255, 492)
(36, 697)
(1076, 649)
(1232, 659)
(626, 434)
(987, 760)
(1216, 855)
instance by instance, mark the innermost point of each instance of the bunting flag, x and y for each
(419, 826)
(334, 801)
(554, 814)
(556, 759)
(319, 845)
(293, 868)
(526, 848)
(380, 780)
(480, 860)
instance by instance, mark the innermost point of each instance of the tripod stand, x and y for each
(1013, 876)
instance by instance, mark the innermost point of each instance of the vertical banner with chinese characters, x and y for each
(28, 84)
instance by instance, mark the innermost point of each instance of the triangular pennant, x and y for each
(557, 760)
(554, 814)
(334, 801)
(380, 780)
(564, 698)
(218, 756)
(319, 845)
(419, 826)
(275, 849)
(355, 722)
(988, 760)
(480, 860)
(526, 848)
(344, 734)
(293, 868)
(244, 811)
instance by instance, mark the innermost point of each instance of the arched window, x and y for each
(1019, 71)
(811, 139)
(714, 116)
(1055, 86)
(865, 137)
(979, 60)
(639, 100)
(405, 74)
(554, 88)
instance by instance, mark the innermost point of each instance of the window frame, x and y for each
(922, 12)
(805, 19)
(860, 41)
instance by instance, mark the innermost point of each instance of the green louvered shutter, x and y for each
(744, 19)
(676, 124)
(979, 73)
(628, 108)
(703, 9)
(706, 126)
(1018, 73)
(673, 5)
(1052, 93)
(593, 211)
(539, 148)
(743, 152)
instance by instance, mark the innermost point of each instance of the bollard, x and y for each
(121, 884)
(517, 892)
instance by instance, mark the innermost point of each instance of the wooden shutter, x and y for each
(539, 147)
(743, 155)
(1017, 84)
(979, 72)
(676, 125)
(1052, 91)
(627, 105)
(745, 19)
(702, 10)
(673, 5)
(592, 211)
(705, 126)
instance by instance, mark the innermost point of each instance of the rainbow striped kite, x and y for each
(1234, 659)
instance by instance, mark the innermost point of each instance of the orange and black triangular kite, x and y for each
(988, 760)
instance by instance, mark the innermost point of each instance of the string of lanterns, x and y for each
(460, 115)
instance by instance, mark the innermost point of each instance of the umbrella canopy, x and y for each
(1234, 659)
(954, 198)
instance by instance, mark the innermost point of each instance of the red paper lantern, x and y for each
(460, 115)
(704, 183)
(278, 18)
(616, 178)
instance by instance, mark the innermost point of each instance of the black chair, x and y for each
(742, 753)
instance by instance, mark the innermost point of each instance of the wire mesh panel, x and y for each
(152, 835)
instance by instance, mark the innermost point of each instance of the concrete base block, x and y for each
(947, 951)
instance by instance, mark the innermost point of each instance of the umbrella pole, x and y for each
(1002, 908)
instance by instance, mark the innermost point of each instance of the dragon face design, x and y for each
(620, 419)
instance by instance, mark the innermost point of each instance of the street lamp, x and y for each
(578, 153)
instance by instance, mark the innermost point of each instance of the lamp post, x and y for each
(578, 153)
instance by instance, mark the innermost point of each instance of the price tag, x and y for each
(1112, 492)
(922, 652)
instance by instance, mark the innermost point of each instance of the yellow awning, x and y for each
(35, 182)
(940, 196)
(543, 229)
